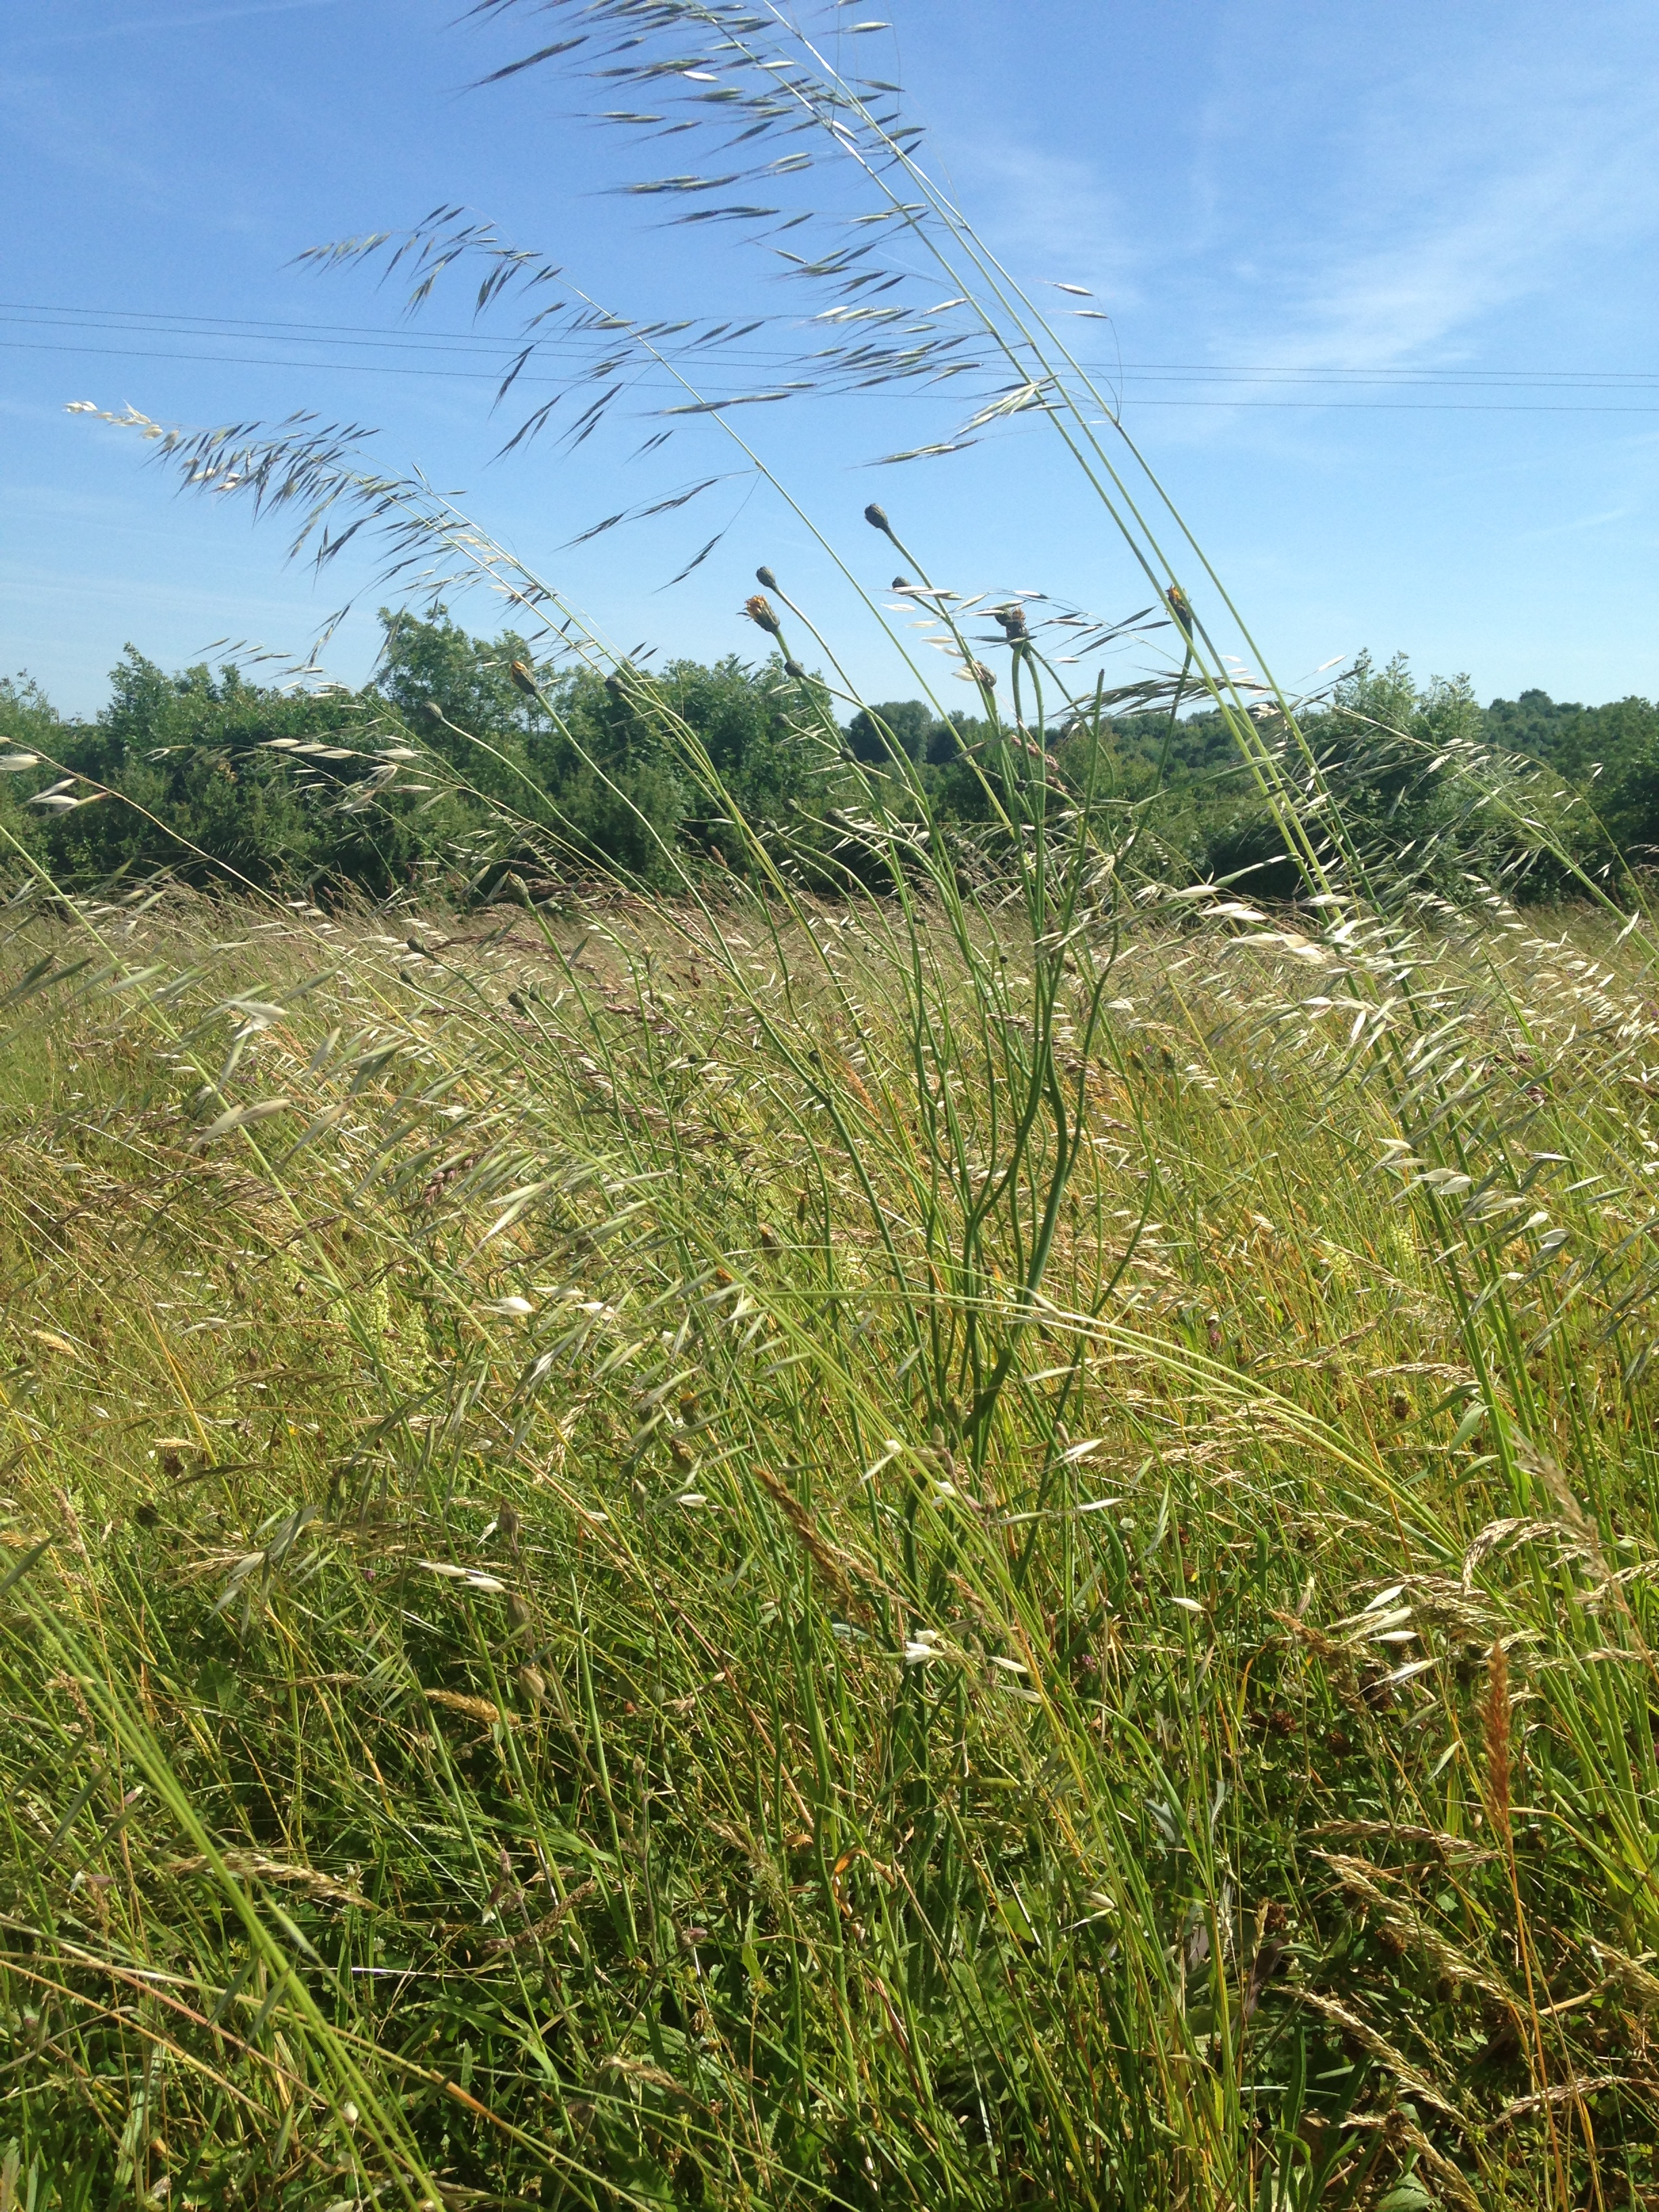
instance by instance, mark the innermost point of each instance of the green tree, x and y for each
(904, 725)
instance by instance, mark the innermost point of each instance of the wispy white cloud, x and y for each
(1448, 177)
(1505, 237)
(143, 25)
(1054, 213)
(1367, 189)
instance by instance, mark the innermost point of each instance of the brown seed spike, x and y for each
(1495, 1730)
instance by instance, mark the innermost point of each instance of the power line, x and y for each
(1249, 376)
(428, 341)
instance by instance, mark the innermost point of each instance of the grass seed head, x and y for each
(1495, 1715)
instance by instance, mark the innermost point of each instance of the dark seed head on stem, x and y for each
(760, 613)
(1495, 1730)
(877, 517)
(766, 580)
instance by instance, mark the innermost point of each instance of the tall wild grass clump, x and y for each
(932, 1519)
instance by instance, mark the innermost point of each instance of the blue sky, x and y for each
(1380, 278)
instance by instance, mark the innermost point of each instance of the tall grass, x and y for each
(948, 1525)
(530, 1654)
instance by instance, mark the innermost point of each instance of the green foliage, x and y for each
(28, 724)
(1610, 753)
(199, 784)
(902, 729)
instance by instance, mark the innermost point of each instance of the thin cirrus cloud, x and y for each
(1456, 184)
(1507, 237)
(1057, 210)
(1377, 195)
(197, 19)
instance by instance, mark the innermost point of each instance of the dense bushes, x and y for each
(210, 775)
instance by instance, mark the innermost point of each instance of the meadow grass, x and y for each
(579, 1631)
(940, 1522)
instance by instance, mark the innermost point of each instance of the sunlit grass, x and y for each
(539, 1652)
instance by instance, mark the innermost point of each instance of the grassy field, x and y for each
(757, 1557)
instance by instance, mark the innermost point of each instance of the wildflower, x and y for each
(760, 613)
(524, 677)
(793, 668)
(766, 580)
(1182, 608)
(877, 517)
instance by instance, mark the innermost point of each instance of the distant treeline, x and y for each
(207, 779)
